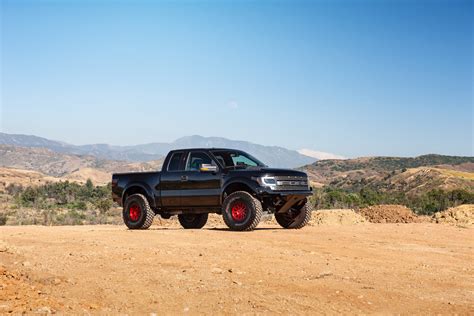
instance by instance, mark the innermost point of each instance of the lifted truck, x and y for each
(196, 182)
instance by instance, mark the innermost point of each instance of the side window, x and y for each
(196, 160)
(175, 161)
(240, 160)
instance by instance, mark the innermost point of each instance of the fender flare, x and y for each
(144, 187)
(241, 180)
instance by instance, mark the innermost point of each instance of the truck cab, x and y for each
(198, 181)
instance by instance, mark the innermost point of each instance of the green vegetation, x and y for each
(66, 194)
(423, 204)
(3, 219)
(60, 203)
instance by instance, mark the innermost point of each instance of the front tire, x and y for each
(295, 218)
(137, 213)
(193, 221)
(241, 211)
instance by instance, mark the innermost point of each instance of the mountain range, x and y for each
(270, 155)
(31, 159)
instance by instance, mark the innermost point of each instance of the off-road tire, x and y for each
(295, 218)
(253, 214)
(193, 221)
(146, 214)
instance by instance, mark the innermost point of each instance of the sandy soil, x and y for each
(368, 268)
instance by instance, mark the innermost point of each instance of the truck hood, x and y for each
(283, 172)
(266, 171)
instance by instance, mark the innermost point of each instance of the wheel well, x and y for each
(238, 186)
(135, 190)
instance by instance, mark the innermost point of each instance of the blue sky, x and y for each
(353, 77)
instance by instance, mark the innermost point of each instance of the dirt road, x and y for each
(398, 268)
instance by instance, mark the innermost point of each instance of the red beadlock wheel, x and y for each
(239, 211)
(135, 212)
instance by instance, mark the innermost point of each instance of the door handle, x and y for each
(184, 178)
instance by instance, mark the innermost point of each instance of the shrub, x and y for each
(3, 219)
(426, 203)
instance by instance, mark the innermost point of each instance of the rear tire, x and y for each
(193, 221)
(241, 211)
(295, 218)
(137, 213)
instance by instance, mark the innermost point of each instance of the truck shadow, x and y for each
(229, 230)
(213, 228)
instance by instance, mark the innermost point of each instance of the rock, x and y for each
(217, 270)
(237, 282)
(26, 264)
(57, 281)
(44, 309)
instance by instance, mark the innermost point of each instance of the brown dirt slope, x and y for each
(23, 177)
(408, 175)
(69, 167)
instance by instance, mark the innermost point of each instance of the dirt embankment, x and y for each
(326, 269)
(462, 215)
(389, 214)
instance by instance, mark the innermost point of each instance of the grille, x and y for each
(288, 183)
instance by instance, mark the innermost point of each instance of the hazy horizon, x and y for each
(354, 78)
(332, 154)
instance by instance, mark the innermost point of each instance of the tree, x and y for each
(104, 205)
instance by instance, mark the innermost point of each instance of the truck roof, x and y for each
(204, 148)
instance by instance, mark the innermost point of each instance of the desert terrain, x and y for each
(353, 267)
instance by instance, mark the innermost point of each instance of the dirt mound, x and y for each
(462, 215)
(336, 217)
(388, 214)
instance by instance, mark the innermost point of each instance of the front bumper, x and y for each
(268, 191)
(282, 201)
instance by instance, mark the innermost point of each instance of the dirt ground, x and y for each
(367, 268)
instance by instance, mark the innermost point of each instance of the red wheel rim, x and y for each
(134, 212)
(239, 211)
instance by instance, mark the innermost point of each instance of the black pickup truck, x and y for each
(199, 181)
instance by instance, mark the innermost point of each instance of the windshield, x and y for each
(236, 159)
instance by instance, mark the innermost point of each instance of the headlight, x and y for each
(267, 182)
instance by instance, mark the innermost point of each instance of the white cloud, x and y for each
(319, 154)
(233, 105)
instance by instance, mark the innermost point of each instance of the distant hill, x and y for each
(395, 174)
(271, 155)
(67, 166)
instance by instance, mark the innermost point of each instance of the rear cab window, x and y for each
(174, 163)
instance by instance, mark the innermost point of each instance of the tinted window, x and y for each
(174, 164)
(241, 160)
(236, 158)
(196, 160)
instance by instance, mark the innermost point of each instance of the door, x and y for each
(171, 180)
(201, 188)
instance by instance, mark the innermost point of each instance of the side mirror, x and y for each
(208, 168)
